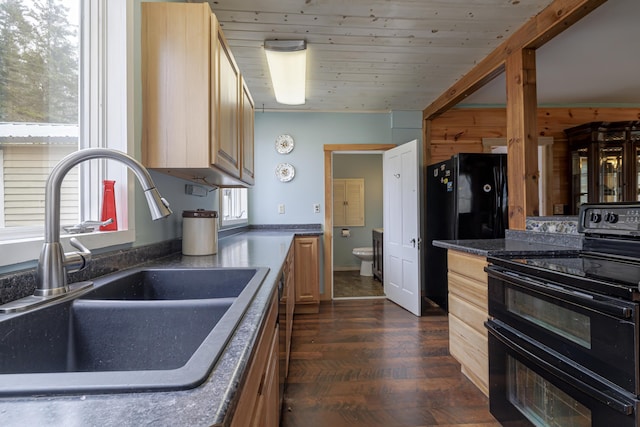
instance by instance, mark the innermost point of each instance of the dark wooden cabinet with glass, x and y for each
(605, 162)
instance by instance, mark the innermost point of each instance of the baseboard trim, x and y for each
(348, 268)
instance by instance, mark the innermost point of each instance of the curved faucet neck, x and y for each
(54, 263)
(54, 183)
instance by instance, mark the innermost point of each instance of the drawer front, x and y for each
(467, 265)
(470, 290)
(470, 348)
(468, 313)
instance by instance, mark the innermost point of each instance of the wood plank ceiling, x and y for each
(370, 55)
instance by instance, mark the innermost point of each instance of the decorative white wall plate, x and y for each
(285, 172)
(284, 144)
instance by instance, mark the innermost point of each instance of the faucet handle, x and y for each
(76, 261)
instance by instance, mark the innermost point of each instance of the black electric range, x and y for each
(564, 331)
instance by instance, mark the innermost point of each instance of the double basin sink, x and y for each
(144, 329)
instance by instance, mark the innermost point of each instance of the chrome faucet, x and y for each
(54, 263)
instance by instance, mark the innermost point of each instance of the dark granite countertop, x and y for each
(203, 406)
(519, 243)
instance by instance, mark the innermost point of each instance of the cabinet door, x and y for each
(348, 202)
(339, 197)
(267, 413)
(354, 189)
(248, 110)
(291, 303)
(176, 87)
(226, 144)
(258, 395)
(611, 173)
(307, 273)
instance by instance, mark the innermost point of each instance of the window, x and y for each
(39, 78)
(234, 207)
(65, 84)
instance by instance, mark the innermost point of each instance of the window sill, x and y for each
(25, 250)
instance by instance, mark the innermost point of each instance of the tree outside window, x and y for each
(39, 106)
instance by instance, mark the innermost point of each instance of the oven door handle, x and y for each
(558, 365)
(613, 308)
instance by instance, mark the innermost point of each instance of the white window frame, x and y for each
(106, 114)
(231, 223)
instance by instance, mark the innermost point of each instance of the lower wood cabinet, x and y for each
(258, 405)
(468, 310)
(307, 273)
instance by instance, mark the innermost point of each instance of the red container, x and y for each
(109, 206)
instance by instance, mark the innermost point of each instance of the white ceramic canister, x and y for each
(199, 232)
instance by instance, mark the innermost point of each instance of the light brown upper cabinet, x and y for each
(192, 91)
(225, 145)
(248, 114)
(348, 202)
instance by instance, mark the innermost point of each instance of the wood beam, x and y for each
(551, 21)
(522, 140)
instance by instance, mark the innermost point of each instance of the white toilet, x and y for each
(366, 255)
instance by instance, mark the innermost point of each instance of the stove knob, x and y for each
(611, 217)
(595, 217)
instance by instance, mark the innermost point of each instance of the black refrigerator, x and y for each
(466, 198)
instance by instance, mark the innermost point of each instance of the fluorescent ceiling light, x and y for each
(287, 61)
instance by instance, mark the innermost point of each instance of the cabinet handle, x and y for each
(261, 386)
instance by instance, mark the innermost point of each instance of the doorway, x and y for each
(328, 248)
(357, 211)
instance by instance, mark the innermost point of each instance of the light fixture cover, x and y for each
(287, 61)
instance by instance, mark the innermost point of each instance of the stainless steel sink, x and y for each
(138, 330)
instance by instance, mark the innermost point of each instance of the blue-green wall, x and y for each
(311, 131)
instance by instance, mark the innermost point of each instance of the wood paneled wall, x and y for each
(460, 130)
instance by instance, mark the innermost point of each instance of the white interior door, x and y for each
(401, 241)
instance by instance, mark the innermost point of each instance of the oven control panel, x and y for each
(621, 219)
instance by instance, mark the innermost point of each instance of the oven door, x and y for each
(530, 385)
(598, 332)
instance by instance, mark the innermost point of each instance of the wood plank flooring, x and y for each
(371, 363)
(352, 284)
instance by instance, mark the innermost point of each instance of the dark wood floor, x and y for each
(370, 363)
(352, 284)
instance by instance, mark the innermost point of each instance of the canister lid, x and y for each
(200, 213)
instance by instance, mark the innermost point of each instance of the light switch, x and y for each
(281, 208)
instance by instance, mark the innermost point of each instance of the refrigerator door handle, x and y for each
(497, 182)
